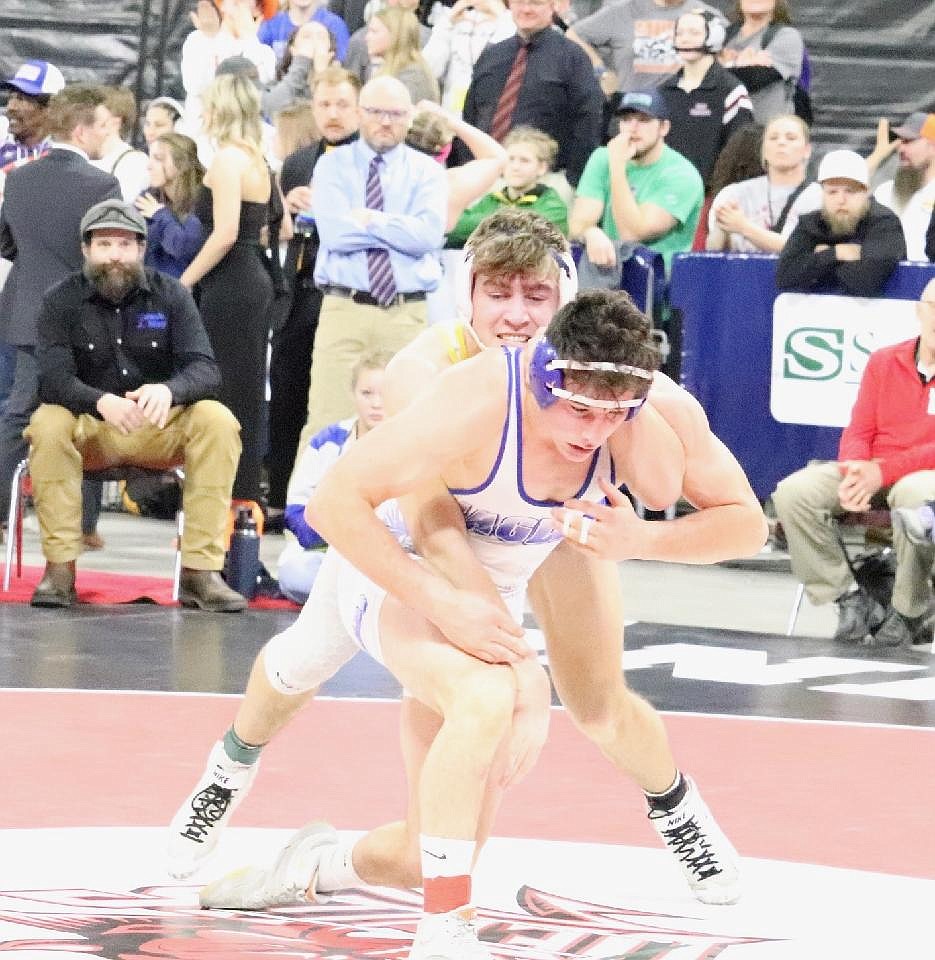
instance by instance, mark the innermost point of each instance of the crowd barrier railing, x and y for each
(776, 380)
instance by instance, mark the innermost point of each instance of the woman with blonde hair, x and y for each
(175, 234)
(394, 48)
(230, 273)
(750, 216)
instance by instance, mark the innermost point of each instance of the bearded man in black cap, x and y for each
(126, 377)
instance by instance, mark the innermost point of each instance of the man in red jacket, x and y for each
(886, 457)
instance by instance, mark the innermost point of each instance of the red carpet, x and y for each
(96, 587)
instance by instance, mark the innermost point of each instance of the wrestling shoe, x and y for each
(707, 859)
(281, 885)
(448, 936)
(197, 825)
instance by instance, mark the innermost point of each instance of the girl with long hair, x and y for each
(394, 47)
(175, 234)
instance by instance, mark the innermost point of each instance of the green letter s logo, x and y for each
(811, 353)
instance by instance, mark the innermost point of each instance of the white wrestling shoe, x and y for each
(707, 859)
(197, 826)
(282, 885)
(448, 936)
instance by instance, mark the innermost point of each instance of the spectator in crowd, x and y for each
(233, 287)
(530, 154)
(39, 231)
(537, 78)
(637, 190)
(219, 34)
(299, 561)
(310, 51)
(749, 216)
(276, 31)
(432, 131)
(739, 160)
(886, 459)
(705, 102)
(379, 209)
(31, 88)
(394, 50)
(126, 376)
(911, 192)
(129, 166)
(852, 241)
(930, 239)
(459, 35)
(334, 110)
(160, 117)
(174, 233)
(631, 43)
(766, 52)
(358, 59)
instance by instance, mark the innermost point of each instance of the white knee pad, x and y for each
(316, 646)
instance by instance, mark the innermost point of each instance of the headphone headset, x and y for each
(464, 283)
(547, 380)
(715, 32)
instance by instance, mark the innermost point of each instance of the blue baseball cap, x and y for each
(36, 78)
(649, 102)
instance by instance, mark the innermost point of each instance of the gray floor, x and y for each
(755, 595)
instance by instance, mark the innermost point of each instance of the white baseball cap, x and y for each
(36, 78)
(844, 165)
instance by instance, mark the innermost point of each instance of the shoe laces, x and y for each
(693, 848)
(208, 807)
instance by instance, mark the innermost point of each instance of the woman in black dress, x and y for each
(229, 275)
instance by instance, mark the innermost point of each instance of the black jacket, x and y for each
(559, 95)
(89, 346)
(883, 245)
(43, 204)
(930, 239)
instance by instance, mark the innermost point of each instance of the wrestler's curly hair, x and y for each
(604, 325)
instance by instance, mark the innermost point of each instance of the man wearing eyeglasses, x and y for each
(380, 210)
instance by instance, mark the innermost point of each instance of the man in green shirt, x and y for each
(637, 189)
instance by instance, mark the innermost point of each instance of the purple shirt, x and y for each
(276, 31)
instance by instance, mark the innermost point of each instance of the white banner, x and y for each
(820, 348)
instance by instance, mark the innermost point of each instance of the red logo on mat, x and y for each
(360, 925)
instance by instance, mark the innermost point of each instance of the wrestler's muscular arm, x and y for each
(728, 523)
(435, 434)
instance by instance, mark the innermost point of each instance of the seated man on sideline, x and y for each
(125, 376)
(886, 458)
(637, 189)
(852, 241)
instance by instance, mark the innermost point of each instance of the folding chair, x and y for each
(127, 472)
(876, 527)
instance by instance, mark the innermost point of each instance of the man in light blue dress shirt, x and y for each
(380, 210)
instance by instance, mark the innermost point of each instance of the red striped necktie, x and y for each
(506, 105)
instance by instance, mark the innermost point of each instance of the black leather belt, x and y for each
(368, 299)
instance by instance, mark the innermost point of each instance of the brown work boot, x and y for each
(57, 586)
(206, 590)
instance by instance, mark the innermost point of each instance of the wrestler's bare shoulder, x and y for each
(676, 405)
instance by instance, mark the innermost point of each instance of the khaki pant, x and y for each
(346, 332)
(805, 503)
(204, 438)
